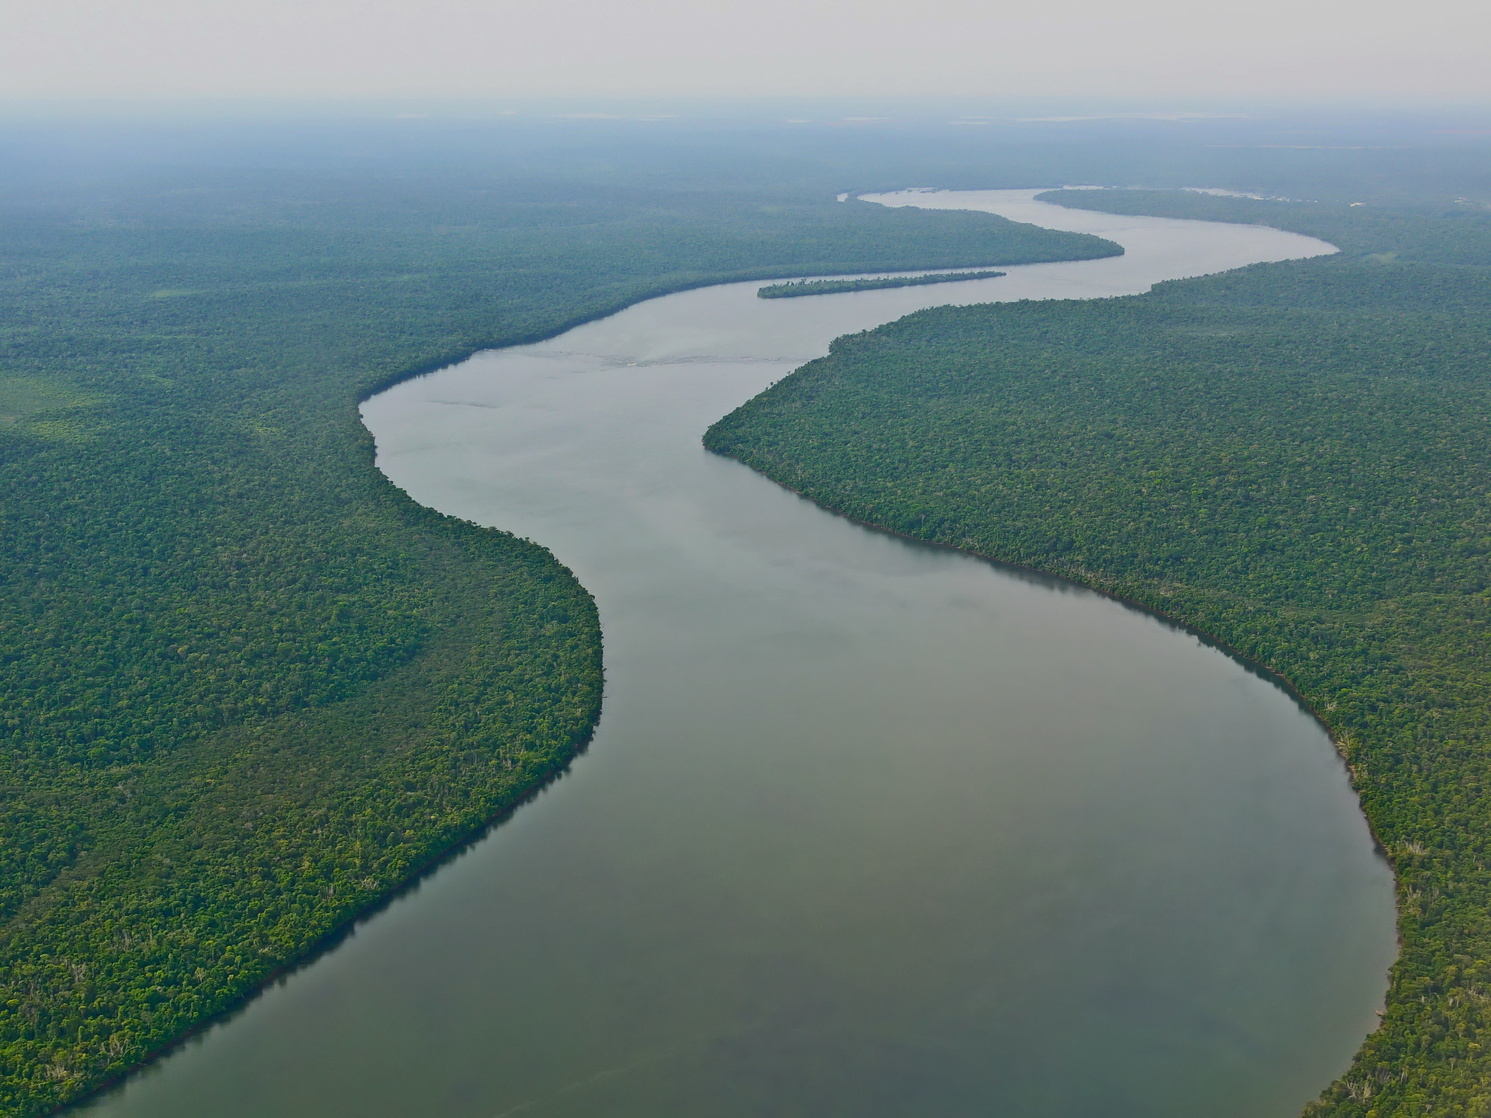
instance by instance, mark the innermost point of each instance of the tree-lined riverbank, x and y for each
(247, 688)
(1291, 458)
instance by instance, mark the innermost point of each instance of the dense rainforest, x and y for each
(1294, 458)
(248, 688)
(833, 287)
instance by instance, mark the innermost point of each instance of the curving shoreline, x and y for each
(797, 288)
(564, 828)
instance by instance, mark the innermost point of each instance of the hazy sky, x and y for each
(1120, 48)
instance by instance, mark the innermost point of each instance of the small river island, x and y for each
(871, 283)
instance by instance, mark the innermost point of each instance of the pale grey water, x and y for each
(867, 828)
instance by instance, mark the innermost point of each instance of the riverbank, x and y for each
(1284, 457)
(837, 778)
(251, 689)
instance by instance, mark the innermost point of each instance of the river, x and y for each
(867, 828)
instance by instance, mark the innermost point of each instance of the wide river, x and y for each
(867, 829)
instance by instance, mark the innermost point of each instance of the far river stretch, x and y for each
(868, 830)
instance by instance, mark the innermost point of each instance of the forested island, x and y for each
(248, 689)
(1290, 458)
(833, 287)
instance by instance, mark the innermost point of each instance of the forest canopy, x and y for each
(247, 687)
(1290, 458)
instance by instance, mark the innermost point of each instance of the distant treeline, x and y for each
(1291, 457)
(834, 287)
(247, 687)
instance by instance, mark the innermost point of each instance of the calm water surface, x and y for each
(867, 829)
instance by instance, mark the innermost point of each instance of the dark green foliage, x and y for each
(834, 287)
(1292, 458)
(247, 688)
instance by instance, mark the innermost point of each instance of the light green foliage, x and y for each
(1291, 457)
(24, 396)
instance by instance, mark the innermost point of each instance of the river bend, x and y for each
(867, 829)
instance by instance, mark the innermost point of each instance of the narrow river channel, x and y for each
(868, 829)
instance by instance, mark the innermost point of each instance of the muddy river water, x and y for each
(868, 829)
